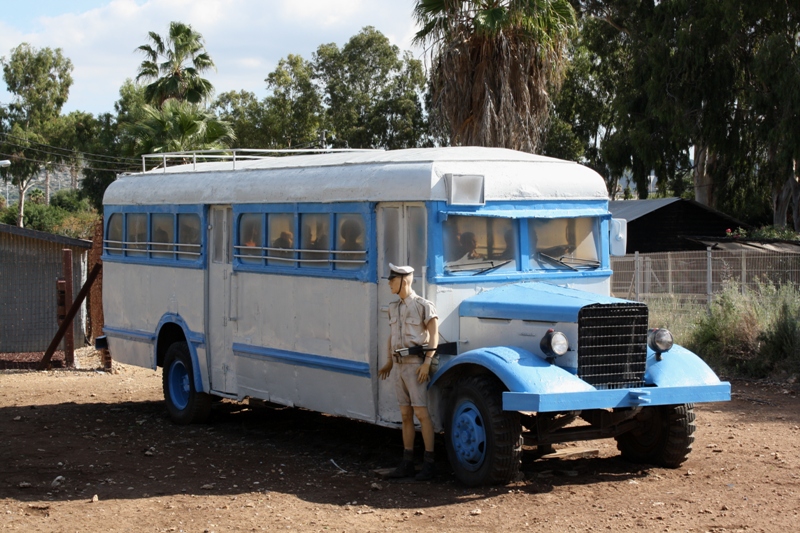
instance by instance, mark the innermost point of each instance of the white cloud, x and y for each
(246, 38)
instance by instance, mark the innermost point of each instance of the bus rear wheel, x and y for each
(184, 404)
(484, 443)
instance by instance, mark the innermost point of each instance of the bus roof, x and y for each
(397, 175)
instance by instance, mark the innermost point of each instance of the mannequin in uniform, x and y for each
(413, 323)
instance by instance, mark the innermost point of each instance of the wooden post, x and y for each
(45, 362)
(69, 336)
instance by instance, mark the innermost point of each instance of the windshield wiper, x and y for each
(480, 265)
(571, 262)
(493, 267)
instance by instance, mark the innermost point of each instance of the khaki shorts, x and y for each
(409, 391)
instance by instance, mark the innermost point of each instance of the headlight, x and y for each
(659, 340)
(554, 344)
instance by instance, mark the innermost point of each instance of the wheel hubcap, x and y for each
(469, 436)
(179, 386)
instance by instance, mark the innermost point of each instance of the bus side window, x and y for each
(217, 233)
(113, 244)
(163, 231)
(349, 242)
(188, 237)
(280, 229)
(137, 234)
(250, 238)
(315, 235)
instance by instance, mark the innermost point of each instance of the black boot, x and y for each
(405, 468)
(428, 468)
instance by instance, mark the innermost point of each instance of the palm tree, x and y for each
(174, 66)
(494, 66)
(179, 127)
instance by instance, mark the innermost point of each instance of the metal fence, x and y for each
(699, 275)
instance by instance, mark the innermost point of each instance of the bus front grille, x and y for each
(612, 345)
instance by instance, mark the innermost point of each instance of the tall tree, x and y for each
(294, 109)
(173, 66)
(39, 80)
(179, 127)
(246, 114)
(367, 84)
(495, 65)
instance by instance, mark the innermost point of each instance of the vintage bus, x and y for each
(265, 278)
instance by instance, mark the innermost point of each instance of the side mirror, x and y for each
(618, 238)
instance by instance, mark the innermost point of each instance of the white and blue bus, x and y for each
(264, 278)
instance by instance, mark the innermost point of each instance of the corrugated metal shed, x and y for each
(671, 224)
(30, 264)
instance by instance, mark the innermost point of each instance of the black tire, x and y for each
(663, 437)
(184, 404)
(484, 443)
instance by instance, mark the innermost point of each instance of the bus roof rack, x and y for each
(235, 154)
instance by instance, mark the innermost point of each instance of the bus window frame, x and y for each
(368, 271)
(147, 258)
(521, 212)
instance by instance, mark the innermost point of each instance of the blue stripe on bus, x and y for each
(130, 334)
(331, 364)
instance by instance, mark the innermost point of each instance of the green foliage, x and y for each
(373, 96)
(70, 200)
(174, 64)
(39, 217)
(247, 117)
(753, 334)
(494, 66)
(294, 109)
(179, 127)
(766, 233)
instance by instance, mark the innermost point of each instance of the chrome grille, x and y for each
(612, 345)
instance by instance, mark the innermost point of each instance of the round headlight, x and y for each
(554, 344)
(659, 340)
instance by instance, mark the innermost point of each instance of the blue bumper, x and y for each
(615, 398)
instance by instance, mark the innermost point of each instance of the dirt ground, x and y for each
(84, 450)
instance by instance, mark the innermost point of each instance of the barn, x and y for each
(30, 264)
(672, 224)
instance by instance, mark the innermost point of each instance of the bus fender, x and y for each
(193, 340)
(518, 369)
(678, 367)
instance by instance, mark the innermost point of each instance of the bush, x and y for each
(37, 216)
(78, 225)
(756, 334)
(70, 200)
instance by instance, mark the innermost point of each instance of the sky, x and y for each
(245, 38)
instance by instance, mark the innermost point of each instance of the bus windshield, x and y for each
(477, 245)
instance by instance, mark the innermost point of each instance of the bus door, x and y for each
(221, 294)
(402, 240)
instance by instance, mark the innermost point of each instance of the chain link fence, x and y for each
(697, 276)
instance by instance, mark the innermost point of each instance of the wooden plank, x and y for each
(573, 453)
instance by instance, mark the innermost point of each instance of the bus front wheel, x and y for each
(484, 443)
(184, 404)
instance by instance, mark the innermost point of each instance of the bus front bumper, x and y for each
(615, 398)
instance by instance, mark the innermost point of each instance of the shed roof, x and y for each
(44, 236)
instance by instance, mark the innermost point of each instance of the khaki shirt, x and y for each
(407, 320)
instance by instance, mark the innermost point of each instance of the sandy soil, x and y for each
(85, 450)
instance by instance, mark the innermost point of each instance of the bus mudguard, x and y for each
(193, 339)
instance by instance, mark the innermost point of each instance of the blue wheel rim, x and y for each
(468, 436)
(179, 386)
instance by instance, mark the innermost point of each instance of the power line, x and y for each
(67, 165)
(71, 151)
(89, 159)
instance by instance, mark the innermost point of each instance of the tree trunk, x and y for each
(795, 197)
(703, 179)
(47, 186)
(781, 199)
(21, 208)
